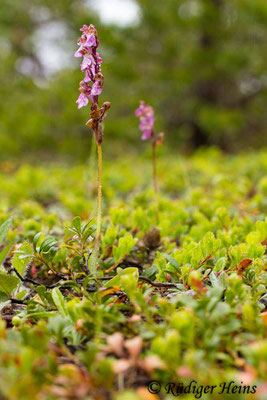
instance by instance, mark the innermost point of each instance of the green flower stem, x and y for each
(154, 166)
(99, 198)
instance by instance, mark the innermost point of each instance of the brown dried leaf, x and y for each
(243, 265)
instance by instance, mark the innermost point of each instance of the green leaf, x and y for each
(131, 272)
(22, 257)
(35, 239)
(59, 301)
(42, 314)
(3, 297)
(47, 244)
(214, 280)
(93, 263)
(45, 295)
(8, 283)
(220, 264)
(76, 222)
(172, 261)
(125, 245)
(208, 242)
(4, 228)
(110, 235)
(21, 294)
(4, 253)
(4, 301)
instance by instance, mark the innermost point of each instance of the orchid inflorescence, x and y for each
(92, 84)
(147, 120)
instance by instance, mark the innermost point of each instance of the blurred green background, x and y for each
(200, 63)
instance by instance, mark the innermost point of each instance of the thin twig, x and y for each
(17, 301)
(158, 284)
(34, 282)
(203, 261)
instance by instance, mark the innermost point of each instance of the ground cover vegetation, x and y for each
(178, 294)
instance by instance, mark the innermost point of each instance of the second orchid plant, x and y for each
(90, 88)
(147, 120)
